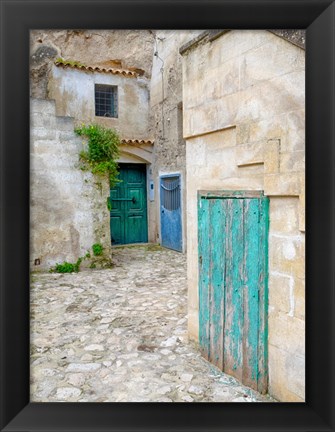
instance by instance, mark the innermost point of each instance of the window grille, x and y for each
(106, 101)
(170, 193)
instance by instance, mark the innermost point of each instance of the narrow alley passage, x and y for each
(120, 335)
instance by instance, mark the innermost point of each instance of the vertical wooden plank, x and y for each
(251, 292)
(136, 227)
(210, 274)
(124, 203)
(227, 358)
(217, 237)
(234, 289)
(117, 214)
(144, 229)
(204, 265)
(263, 295)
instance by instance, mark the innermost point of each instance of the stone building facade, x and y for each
(166, 117)
(71, 102)
(68, 208)
(244, 126)
(149, 98)
(73, 89)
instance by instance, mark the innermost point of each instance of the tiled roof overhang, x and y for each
(124, 72)
(136, 141)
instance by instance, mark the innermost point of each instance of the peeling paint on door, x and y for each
(233, 254)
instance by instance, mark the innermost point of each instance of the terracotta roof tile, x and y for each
(115, 71)
(136, 141)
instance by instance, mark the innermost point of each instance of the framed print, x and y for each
(265, 183)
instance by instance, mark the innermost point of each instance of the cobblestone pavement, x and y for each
(120, 335)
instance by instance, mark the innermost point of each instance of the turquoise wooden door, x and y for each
(128, 215)
(233, 254)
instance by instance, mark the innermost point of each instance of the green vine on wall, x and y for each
(103, 151)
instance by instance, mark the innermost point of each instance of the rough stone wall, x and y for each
(166, 121)
(91, 47)
(68, 212)
(244, 111)
(73, 91)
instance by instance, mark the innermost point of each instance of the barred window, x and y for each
(170, 193)
(106, 101)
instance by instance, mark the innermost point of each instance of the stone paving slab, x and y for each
(120, 335)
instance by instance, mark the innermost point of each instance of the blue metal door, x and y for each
(171, 233)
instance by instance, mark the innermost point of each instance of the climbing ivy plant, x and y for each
(102, 152)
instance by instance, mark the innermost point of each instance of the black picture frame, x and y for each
(17, 18)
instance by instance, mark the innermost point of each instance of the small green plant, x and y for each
(103, 151)
(109, 204)
(67, 267)
(64, 62)
(93, 266)
(97, 249)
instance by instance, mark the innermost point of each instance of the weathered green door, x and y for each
(128, 215)
(233, 253)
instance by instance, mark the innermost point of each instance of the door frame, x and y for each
(164, 174)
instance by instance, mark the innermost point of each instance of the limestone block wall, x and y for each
(68, 211)
(244, 111)
(73, 91)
